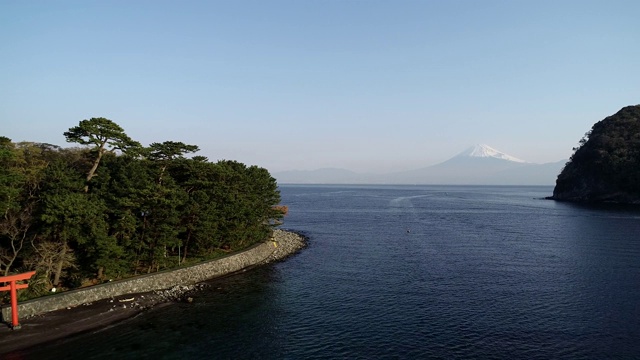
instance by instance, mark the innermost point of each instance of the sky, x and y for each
(369, 86)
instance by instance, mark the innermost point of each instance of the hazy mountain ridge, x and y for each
(321, 176)
(477, 165)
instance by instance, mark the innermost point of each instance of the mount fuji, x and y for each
(486, 151)
(477, 165)
(481, 165)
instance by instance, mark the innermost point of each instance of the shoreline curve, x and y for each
(76, 318)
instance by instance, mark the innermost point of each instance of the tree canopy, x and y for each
(606, 164)
(113, 209)
(100, 133)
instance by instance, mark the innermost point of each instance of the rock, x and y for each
(285, 243)
(606, 165)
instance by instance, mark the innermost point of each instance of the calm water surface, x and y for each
(411, 272)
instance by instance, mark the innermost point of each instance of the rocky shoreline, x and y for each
(59, 324)
(286, 243)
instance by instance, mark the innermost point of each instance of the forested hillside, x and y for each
(112, 208)
(606, 165)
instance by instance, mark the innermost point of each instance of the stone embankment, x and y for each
(171, 285)
(287, 243)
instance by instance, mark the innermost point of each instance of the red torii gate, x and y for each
(11, 279)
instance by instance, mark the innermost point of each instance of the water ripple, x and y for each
(406, 273)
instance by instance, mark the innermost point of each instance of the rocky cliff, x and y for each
(606, 165)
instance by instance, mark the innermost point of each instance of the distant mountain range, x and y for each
(477, 165)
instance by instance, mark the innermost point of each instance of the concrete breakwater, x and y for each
(172, 283)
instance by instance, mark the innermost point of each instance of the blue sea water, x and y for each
(411, 272)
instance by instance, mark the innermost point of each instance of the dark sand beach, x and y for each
(60, 324)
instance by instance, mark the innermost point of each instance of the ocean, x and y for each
(411, 272)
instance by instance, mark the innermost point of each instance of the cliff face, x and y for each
(606, 165)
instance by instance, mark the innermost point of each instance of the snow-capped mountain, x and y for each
(481, 165)
(477, 165)
(486, 151)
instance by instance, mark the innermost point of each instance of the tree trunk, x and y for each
(60, 265)
(95, 166)
(15, 252)
(186, 246)
(162, 170)
(8, 265)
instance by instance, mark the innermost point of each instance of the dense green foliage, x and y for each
(86, 215)
(606, 165)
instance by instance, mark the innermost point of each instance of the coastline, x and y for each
(74, 320)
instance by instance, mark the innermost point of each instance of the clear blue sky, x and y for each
(363, 85)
